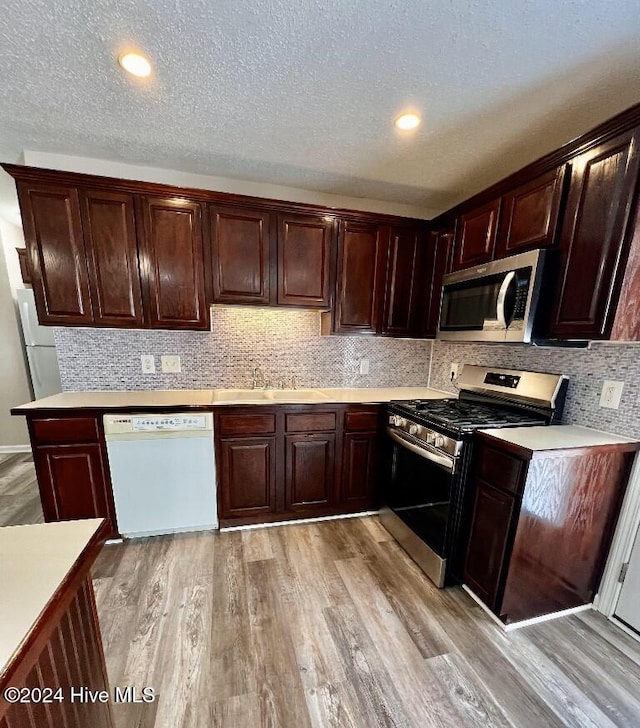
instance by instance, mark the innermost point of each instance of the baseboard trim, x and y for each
(8, 449)
(297, 521)
(526, 622)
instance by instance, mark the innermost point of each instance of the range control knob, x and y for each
(395, 420)
(414, 429)
(431, 438)
(439, 441)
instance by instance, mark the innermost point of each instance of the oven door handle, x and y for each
(423, 451)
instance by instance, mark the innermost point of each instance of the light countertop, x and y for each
(556, 437)
(34, 560)
(158, 399)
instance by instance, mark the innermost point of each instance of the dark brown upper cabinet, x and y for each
(57, 256)
(172, 260)
(362, 255)
(596, 238)
(305, 247)
(529, 214)
(240, 254)
(404, 283)
(25, 269)
(109, 228)
(476, 236)
(438, 262)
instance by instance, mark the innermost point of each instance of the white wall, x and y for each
(14, 385)
(219, 184)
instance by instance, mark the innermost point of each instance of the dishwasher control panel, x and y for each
(182, 422)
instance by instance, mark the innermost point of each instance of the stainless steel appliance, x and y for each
(426, 504)
(492, 302)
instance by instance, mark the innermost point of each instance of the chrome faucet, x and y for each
(259, 380)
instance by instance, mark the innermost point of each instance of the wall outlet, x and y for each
(611, 394)
(364, 366)
(148, 363)
(454, 370)
(170, 364)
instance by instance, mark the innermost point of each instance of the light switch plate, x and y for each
(148, 364)
(611, 394)
(364, 366)
(454, 370)
(170, 363)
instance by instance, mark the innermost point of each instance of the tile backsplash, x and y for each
(288, 343)
(283, 343)
(586, 369)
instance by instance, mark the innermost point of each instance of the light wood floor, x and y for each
(19, 496)
(331, 624)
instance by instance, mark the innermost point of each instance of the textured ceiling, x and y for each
(303, 92)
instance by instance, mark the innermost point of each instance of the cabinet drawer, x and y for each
(363, 421)
(312, 422)
(500, 469)
(70, 429)
(246, 424)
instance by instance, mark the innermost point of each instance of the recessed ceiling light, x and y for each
(408, 121)
(135, 64)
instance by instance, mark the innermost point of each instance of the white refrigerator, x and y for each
(40, 347)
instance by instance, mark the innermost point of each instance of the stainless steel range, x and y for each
(425, 502)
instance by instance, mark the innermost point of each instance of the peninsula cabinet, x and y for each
(596, 239)
(295, 461)
(72, 469)
(542, 523)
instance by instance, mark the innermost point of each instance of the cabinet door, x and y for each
(57, 258)
(173, 270)
(529, 215)
(74, 482)
(362, 253)
(305, 245)
(403, 285)
(594, 240)
(490, 534)
(247, 476)
(108, 223)
(438, 261)
(310, 472)
(359, 470)
(240, 247)
(476, 236)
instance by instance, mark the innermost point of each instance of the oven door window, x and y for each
(419, 493)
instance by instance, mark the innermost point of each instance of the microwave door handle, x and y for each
(434, 457)
(502, 295)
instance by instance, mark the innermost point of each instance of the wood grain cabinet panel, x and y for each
(489, 540)
(74, 482)
(362, 254)
(476, 236)
(25, 269)
(305, 249)
(310, 472)
(359, 470)
(57, 257)
(529, 214)
(438, 263)
(595, 238)
(404, 282)
(173, 263)
(247, 475)
(109, 229)
(241, 250)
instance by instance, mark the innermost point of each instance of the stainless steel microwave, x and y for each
(492, 302)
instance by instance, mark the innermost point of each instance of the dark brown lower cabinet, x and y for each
(247, 467)
(310, 481)
(73, 477)
(295, 461)
(542, 524)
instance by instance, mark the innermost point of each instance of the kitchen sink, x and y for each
(292, 395)
(241, 395)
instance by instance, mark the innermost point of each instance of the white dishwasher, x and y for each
(162, 472)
